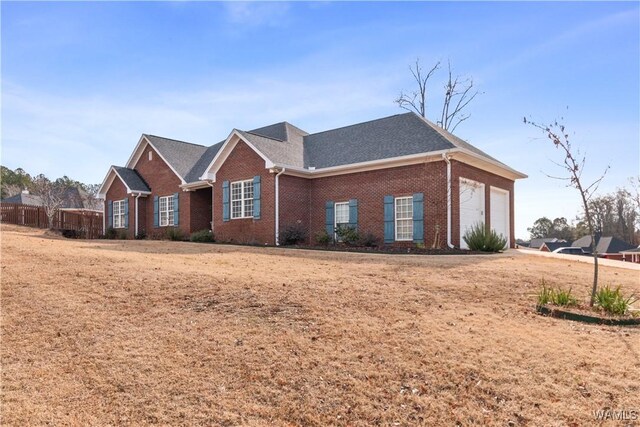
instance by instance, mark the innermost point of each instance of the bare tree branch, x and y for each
(417, 100)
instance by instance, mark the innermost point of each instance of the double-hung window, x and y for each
(341, 216)
(118, 214)
(404, 218)
(242, 199)
(166, 211)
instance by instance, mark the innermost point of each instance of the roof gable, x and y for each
(133, 182)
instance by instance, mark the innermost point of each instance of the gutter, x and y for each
(210, 182)
(277, 221)
(137, 208)
(445, 157)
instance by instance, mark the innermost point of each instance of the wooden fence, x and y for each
(85, 224)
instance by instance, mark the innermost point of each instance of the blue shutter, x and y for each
(389, 220)
(176, 209)
(256, 197)
(156, 211)
(126, 213)
(353, 213)
(329, 219)
(110, 214)
(225, 201)
(418, 218)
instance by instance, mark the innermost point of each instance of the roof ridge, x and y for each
(176, 140)
(358, 124)
(262, 136)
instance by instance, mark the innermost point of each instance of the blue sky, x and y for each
(82, 81)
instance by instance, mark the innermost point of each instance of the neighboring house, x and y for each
(537, 243)
(552, 246)
(24, 198)
(607, 247)
(400, 178)
(631, 255)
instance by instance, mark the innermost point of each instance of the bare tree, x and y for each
(459, 92)
(417, 99)
(574, 166)
(52, 194)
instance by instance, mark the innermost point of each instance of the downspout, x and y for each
(137, 206)
(278, 205)
(210, 182)
(445, 157)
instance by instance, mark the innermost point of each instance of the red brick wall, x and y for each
(369, 188)
(116, 192)
(294, 202)
(462, 170)
(243, 163)
(163, 182)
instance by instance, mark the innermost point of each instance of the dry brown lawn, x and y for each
(146, 332)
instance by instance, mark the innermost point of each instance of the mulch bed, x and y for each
(387, 250)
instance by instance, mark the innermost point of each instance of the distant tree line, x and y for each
(614, 214)
(13, 182)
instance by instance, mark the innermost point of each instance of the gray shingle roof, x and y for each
(605, 245)
(132, 179)
(182, 156)
(287, 145)
(389, 137)
(288, 153)
(25, 199)
(203, 162)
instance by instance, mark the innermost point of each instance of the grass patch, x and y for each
(555, 296)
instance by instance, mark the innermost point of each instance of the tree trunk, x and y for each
(594, 289)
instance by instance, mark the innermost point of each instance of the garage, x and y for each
(499, 212)
(471, 206)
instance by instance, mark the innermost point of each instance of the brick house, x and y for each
(401, 178)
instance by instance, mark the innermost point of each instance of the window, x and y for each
(242, 199)
(166, 211)
(341, 216)
(118, 214)
(404, 218)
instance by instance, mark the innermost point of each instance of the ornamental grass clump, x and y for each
(611, 301)
(478, 238)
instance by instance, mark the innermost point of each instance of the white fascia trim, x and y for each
(195, 185)
(473, 159)
(137, 153)
(411, 159)
(224, 151)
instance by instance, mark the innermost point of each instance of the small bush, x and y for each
(347, 235)
(479, 239)
(557, 296)
(612, 301)
(563, 298)
(545, 295)
(174, 234)
(110, 233)
(369, 240)
(141, 235)
(202, 236)
(292, 235)
(323, 238)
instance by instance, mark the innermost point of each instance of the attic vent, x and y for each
(150, 155)
(312, 168)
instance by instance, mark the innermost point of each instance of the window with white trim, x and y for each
(118, 214)
(242, 199)
(341, 215)
(404, 218)
(166, 211)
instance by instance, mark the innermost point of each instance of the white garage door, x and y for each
(499, 212)
(471, 206)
